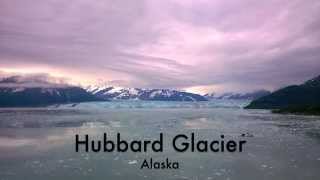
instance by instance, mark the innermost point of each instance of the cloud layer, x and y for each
(204, 45)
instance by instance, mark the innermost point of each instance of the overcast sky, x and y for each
(200, 45)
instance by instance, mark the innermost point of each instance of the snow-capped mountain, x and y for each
(120, 93)
(16, 91)
(243, 96)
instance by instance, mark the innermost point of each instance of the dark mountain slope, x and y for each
(17, 93)
(291, 97)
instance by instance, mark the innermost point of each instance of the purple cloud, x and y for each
(214, 45)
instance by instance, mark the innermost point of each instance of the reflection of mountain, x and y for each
(239, 96)
(118, 93)
(296, 97)
(18, 92)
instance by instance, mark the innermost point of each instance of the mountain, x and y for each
(238, 96)
(17, 91)
(305, 96)
(119, 93)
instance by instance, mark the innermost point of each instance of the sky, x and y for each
(195, 45)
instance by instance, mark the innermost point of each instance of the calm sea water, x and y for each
(38, 143)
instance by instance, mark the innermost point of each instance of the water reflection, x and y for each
(39, 143)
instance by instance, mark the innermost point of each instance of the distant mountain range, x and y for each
(304, 97)
(238, 96)
(18, 92)
(119, 93)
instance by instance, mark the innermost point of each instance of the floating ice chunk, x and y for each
(264, 166)
(133, 162)
(36, 162)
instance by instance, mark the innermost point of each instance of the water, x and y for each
(38, 143)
